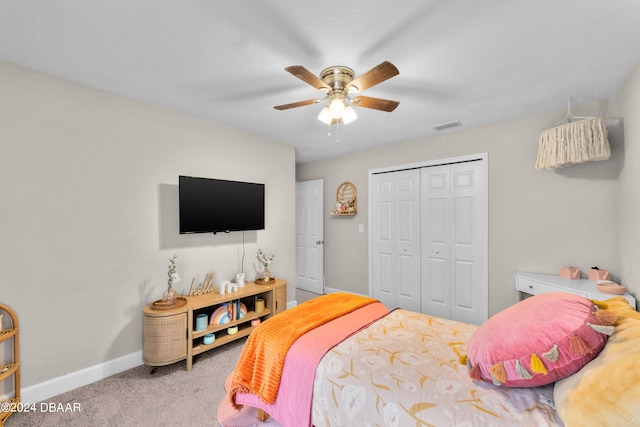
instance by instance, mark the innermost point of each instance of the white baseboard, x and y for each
(328, 290)
(55, 386)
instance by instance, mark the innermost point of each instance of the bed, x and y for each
(370, 366)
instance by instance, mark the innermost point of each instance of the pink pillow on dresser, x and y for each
(538, 341)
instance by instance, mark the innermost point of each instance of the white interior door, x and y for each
(453, 242)
(310, 236)
(395, 239)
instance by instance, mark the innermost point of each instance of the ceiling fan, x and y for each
(340, 88)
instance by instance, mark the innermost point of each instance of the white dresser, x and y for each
(538, 283)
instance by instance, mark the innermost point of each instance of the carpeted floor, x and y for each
(144, 396)
(302, 296)
(167, 396)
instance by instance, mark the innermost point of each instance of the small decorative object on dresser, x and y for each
(610, 287)
(169, 296)
(227, 287)
(266, 274)
(259, 307)
(596, 274)
(202, 321)
(206, 286)
(570, 273)
(209, 339)
(240, 279)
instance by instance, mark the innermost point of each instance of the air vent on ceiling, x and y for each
(448, 125)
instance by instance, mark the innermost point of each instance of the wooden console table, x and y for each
(169, 335)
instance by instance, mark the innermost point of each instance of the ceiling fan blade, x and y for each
(377, 74)
(307, 76)
(375, 103)
(297, 104)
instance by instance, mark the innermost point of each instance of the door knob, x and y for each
(319, 242)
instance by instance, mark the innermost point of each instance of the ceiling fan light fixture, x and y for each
(325, 116)
(339, 84)
(349, 115)
(336, 108)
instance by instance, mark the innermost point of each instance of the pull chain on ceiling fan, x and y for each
(340, 87)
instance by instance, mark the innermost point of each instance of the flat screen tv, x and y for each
(214, 205)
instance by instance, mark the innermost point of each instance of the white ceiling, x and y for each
(477, 61)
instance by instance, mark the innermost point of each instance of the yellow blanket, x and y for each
(259, 367)
(606, 392)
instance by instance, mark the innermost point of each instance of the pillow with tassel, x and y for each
(539, 340)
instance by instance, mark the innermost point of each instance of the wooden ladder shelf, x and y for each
(12, 369)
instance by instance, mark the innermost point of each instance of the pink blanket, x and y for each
(293, 403)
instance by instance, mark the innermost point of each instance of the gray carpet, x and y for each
(144, 396)
(170, 396)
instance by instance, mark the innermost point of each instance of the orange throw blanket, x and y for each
(260, 365)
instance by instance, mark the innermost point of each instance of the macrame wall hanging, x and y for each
(573, 143)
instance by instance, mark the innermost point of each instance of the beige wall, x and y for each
(89, 214)
(89, 198)
(628, 207)
(538, 220)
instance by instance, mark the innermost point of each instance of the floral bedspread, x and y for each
(404, 370)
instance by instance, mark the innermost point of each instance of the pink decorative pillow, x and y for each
(538, 341)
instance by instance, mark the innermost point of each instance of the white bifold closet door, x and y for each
(427, 240)
(396, 239)
(452, 242)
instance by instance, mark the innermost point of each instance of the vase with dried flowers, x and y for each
(265, 261)
(169, 296)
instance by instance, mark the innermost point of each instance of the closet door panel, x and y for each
(462, 284)
(383, 250)
(381, 240)
(407, 203)
(463, 211)
(470, 296)
(436, 296)
(408, 255)
(384, 226)
(436, 289)
(437, 213)
(395, 240)
(408, 293)
(384, 263)
(468, 293)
